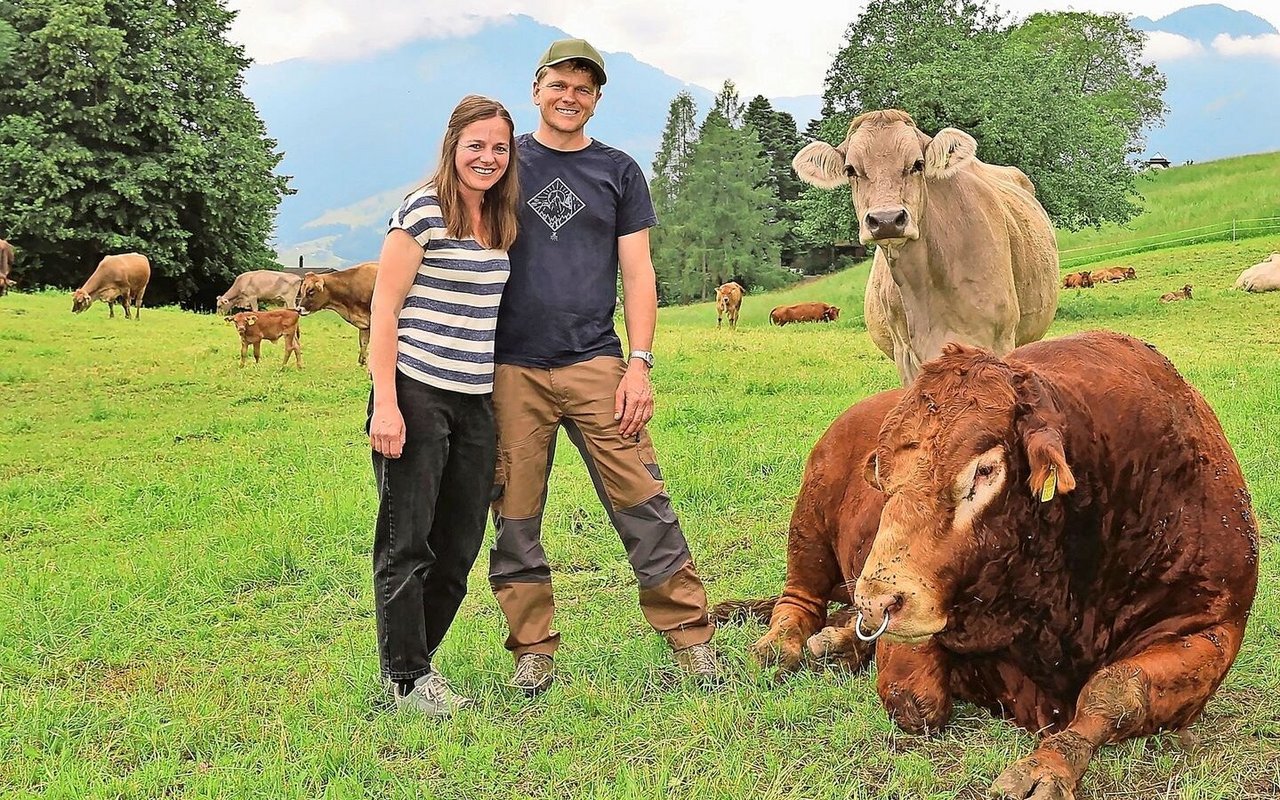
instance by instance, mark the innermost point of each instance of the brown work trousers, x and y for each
(530, 406)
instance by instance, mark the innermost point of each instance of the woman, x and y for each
(440, 278)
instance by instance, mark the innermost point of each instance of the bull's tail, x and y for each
(744, 611)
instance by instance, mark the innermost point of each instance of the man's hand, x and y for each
(633, 402)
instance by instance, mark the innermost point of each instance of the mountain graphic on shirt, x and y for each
(556, 204)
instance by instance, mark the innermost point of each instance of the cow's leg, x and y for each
(111, 308)
(257, 351)
(297, 349)
(253, 304)
(124, 303)
(914, 684)
(1164, 687)
(364, 344)
(137, 304)
(813, 572)
(244, 352)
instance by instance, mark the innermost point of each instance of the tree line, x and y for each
(1063, 96)
(124, 126)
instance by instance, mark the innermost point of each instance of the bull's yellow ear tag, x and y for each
(253, 320)
(1050, 487)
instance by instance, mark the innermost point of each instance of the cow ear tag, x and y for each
(1050, 487)
(253, 320)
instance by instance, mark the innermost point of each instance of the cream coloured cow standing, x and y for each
(964, 251)
(260, 286)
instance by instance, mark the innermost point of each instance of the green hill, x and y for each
(1185, 204)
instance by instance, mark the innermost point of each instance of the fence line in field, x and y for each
(1233, 230)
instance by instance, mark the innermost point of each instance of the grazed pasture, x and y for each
(185, 607)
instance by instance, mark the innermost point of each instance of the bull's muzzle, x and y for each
(875, 604)
(887, 223)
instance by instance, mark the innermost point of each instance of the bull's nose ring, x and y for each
(857, 628)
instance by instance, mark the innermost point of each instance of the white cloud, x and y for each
(1267, 46)
(1163, 46)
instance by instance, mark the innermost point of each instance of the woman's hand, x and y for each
(386, 431)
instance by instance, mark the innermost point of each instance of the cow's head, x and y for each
(312, 295)
(1130, 273)
(224, 305)
(965, 457)
(831, 314)
(887, 162)
(80, 300)
(243, 321)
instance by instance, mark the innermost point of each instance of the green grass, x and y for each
(1184, 201)
(185, 608)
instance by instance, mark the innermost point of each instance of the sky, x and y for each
(782, 52)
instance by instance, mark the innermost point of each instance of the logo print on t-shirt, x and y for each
(556, 204)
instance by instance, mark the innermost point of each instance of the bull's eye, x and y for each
(917, 167)
(985, 470)
(849, 171)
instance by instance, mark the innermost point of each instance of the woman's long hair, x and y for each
(501, 201)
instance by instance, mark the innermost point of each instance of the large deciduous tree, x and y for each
(124, 126)
(1064, 97)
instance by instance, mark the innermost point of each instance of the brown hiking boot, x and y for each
(535, 672)
(699, 661)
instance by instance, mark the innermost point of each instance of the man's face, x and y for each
(566, 98)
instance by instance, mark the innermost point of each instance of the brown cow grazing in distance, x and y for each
(1114, 274)
(254, 326)
(120, 278)
(6, 264)
(728, 302)
(349, 292)
(1172, 297)
(1063, 537)
(1078, 280)
(260, 286)
(964, 251)
(804, 312)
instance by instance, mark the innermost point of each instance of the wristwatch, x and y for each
(643, 355)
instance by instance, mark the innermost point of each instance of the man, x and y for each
(586, 212)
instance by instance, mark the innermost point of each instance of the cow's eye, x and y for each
(849, 171)
(985, 470)
(917, 167)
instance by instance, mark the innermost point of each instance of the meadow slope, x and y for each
(186, 609)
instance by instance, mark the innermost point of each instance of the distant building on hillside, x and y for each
(1158, 161)
(301, 269)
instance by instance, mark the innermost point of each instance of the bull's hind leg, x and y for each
(1164, 687)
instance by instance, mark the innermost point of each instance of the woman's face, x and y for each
(482, 155)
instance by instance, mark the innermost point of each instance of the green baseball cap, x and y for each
(569, 49)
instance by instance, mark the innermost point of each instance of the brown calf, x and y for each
(728, 302)
(1113, 274)
(1078, 280)
(804, 312)
(1172, 297)
(254, 326)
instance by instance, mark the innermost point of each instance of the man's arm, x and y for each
(633, 402)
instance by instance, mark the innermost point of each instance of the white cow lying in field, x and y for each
(1264, 277)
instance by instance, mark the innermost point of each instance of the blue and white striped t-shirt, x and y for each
(450, 313)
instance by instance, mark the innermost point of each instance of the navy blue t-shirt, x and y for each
(558, 305)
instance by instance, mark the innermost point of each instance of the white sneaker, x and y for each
(432, 696)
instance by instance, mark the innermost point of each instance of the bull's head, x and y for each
(224, 305)
(952, 457)
(831, 314)
(80, 300)
(887, 163)
(312, 295)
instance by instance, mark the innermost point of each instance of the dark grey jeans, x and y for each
(432, 504)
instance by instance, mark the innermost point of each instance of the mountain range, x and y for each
(358, 133)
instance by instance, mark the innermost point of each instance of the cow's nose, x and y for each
(887, 223)
(875, 605)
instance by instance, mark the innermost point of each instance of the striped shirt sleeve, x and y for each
(419, 216)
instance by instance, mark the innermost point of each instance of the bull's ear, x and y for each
(949, 152)
(819, 164)
(871, 471)
(1039, 425)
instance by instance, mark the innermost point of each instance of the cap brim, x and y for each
(596, 69)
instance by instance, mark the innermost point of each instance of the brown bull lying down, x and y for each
(1083, 572)
(254, 326)
(804, 312)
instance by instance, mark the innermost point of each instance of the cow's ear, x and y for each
(819, 164)
(1039, 426)
(948, 153)
(871, 471)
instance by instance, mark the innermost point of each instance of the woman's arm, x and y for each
(397, 266)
